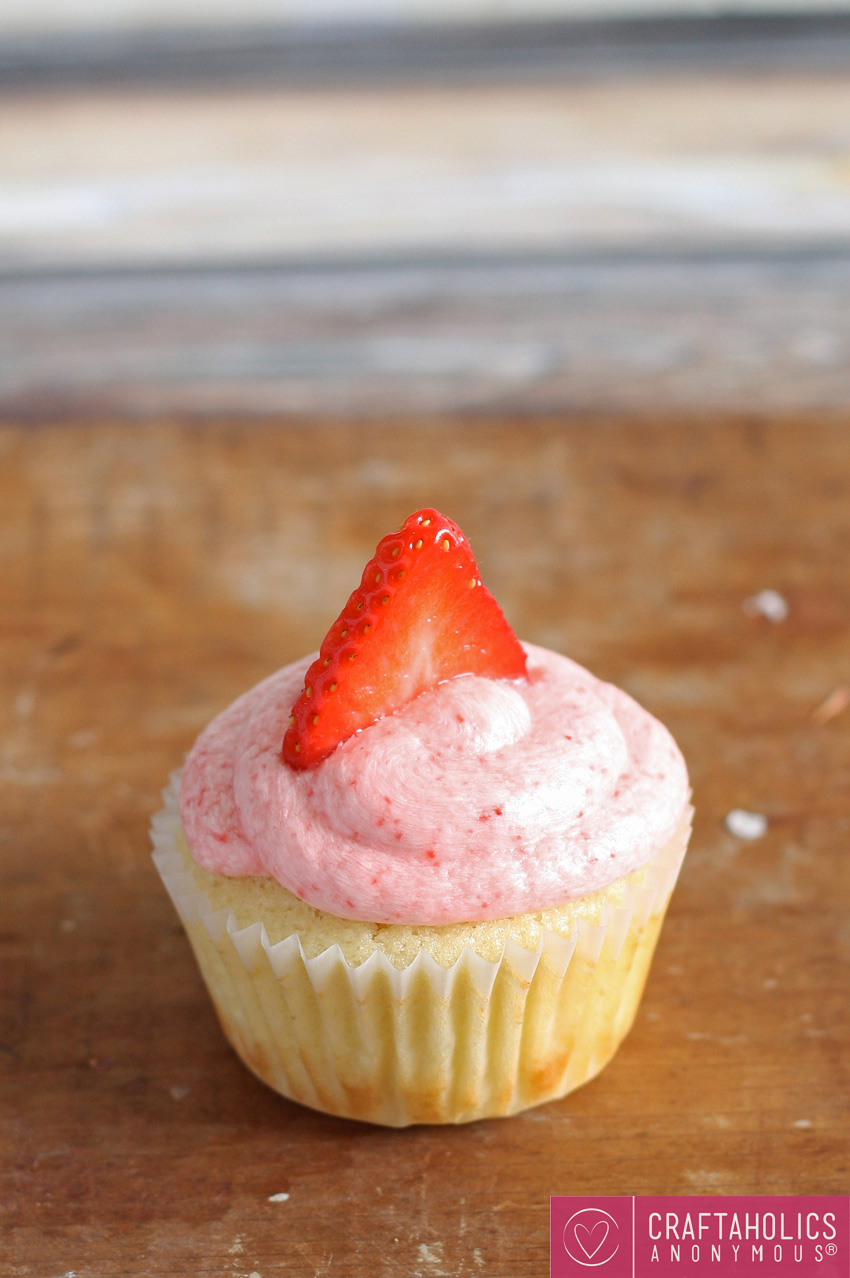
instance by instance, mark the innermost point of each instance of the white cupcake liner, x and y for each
(424, 1043)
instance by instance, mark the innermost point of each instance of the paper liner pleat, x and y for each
(425, 1043)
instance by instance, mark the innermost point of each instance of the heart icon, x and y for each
(590, 1240)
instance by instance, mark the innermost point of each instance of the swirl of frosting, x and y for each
(478, 800)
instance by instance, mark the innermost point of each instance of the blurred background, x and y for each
(373, 207)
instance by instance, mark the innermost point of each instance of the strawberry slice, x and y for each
(419, 616)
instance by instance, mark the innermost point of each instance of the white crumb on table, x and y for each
(767, 603)
(278, 1198)
(746, 825)
(802, 1122)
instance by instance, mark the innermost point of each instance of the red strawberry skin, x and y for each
(419, 616)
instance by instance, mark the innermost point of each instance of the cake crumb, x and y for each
(278, 1198)
(767, 603)
(833, 705)
(746, 825)
(802, 1122)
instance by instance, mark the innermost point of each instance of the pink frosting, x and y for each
(479, 799)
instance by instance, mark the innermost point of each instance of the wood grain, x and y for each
(91, 178)
(78, 48)
(611, 333)
(151, 574)
(672, 240)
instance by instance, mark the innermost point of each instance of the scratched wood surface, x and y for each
(151, 574)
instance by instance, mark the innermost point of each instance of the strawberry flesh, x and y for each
(419, 616)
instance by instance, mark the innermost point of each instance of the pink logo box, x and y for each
(700, 1237)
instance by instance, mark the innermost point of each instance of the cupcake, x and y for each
(423, 872)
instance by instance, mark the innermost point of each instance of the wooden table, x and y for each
(149, 574)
